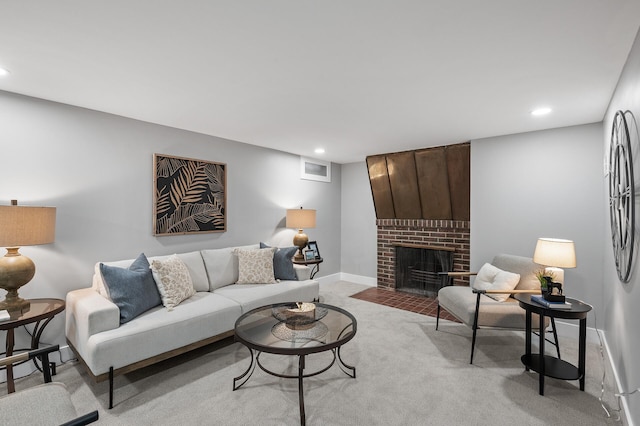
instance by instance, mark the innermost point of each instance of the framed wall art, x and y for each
(190, 196)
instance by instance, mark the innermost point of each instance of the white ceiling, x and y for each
(357, 77)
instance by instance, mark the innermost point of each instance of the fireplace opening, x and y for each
(418, 269)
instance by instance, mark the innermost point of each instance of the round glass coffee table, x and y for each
(295, 329)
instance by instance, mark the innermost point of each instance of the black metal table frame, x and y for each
(301, 353)
(38, 328)
(546, 365)
(315, 268)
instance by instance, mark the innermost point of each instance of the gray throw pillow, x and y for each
(282, 265)
(133, 290)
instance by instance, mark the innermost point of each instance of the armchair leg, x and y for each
(475, 327)
(46, 367)
(438, 317)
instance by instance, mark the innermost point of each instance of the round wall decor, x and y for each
(621, 196)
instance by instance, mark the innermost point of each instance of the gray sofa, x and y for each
(108, 348)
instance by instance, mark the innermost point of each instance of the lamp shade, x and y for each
(555, 252)
(26, 225)
(301, 218)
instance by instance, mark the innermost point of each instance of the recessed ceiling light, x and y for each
(541, 111)
(319, 151)
(4, 72)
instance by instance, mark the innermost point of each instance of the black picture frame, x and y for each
(313, 246)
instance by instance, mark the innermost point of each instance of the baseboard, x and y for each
(572, 330)
(359, 279)
(616, 377)
(64, 354)
(341, 276)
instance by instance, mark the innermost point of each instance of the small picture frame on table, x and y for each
(309, 255)
(313, 246)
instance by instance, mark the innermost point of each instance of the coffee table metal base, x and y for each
(255, 360)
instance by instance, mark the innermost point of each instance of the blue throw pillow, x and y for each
(282, 265)
(133, 290)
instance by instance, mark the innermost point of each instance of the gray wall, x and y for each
(541, 184)
(622, 316)
(359, 232)
(96, 169)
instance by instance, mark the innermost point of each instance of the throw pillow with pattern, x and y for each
(255, 266)
(173, 280)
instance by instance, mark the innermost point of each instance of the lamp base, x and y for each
(16, 303)
(300, 240)
(15, 271)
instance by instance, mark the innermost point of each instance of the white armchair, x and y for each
(475, 309)
(47, 404)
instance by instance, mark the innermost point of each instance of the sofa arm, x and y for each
(302, 272)
(88, 313)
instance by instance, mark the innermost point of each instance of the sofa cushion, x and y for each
(173, 281)
(158, 331)
(251, 296)
(193, 260)
(195, 265)
(282, 265)
(222, 265)
(133, 289)
(491, 278)
(255, 266)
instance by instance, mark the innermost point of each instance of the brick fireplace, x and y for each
(449, 234)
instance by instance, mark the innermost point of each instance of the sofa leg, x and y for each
(438, 317)
(110, 388)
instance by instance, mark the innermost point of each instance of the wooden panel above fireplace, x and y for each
(432, 183)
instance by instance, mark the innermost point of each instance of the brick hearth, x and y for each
(420, 232)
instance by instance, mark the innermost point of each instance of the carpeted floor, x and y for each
(407, 374)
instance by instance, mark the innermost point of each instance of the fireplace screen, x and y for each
(418, 269)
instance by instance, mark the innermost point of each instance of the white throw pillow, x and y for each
(491, 278)
(255, 266)
(173, 280)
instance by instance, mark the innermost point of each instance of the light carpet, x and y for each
(407, 374)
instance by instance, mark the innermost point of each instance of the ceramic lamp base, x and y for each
(15, 271)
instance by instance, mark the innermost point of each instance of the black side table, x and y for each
(546, 365)
(314, 269)
(39, 310)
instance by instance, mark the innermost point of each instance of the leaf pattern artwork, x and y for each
(189, 196)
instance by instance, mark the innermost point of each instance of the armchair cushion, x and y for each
(40, 405)
(460, 302)
(491, 278)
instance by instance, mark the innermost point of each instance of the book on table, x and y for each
(553, 305)
(4, 316)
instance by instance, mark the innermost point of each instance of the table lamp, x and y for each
(299, 219)
(21, 226)
(555, 253)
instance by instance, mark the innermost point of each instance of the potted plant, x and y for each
(545, 278)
